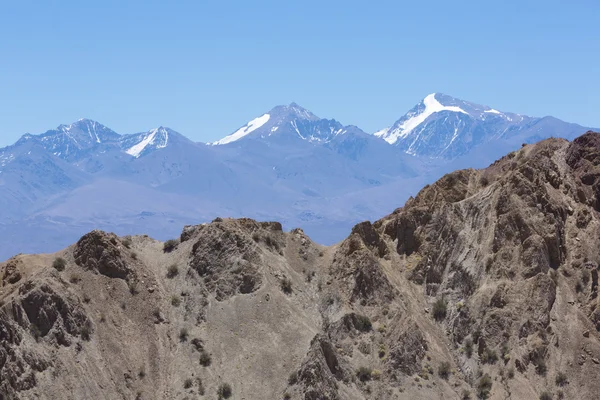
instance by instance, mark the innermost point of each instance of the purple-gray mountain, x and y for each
(287, 164)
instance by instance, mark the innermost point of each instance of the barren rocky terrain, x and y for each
(485, 285)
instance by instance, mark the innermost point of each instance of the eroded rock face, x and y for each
(408, 349)
(227, 259)
(320, 372)
(39, 316)
(102, 252)
(50, 312)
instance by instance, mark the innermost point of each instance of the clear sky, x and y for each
(204, 68)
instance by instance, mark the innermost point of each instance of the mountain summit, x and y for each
(291, 121)
(441, 126)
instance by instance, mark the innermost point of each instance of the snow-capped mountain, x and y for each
(288, 122)
(441, 126)
(287, 164)
(75, 141)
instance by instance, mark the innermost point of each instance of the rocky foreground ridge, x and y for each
(485, 285)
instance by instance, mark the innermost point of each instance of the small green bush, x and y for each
(175, 300)
(466, 395)
(546, 396)
(440, 309)
(59, 264)
(172, 271)
(363, 323)
(469, 347)
(444, 370)
(224, 391)
(286, 285)
(188, 383)
(126, 242)
(183, 335)
(489, 356)
(74, 278)
(484, 386)
(170, 245)
(511, 373)
(561, 379)
(134, 255)
(205, 358)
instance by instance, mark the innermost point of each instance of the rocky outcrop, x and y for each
(227, 259)
(102, 252)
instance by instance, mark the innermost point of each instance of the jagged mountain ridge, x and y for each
(484, 284)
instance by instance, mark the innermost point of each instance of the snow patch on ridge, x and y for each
(138, 148)
(492, 111)
(432, 106)
(382, 132)
(245, 130)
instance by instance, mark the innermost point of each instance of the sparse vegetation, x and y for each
(205, 358)
(484, 386)
(489, 356)
(126, 242)
(188, 383)
(561, 379)
(172, 271)
(75, 278)
(364, 374)
(224, 391)
(440, 308)
(444, 370)
(382, 351)
(363, 323)
(183, 335)
(175, 300)
(170, 245)
(546, 396)
(286, 285)
(200, 386)
(59, 264)
(376, 374)
(142, 372)
(466, 395)
(287, 396)
(510, 373)
(134, 255)
(540, 363)
(469, 347)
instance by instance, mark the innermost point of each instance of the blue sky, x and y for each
(205, 68)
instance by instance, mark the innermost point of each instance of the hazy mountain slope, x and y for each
(483, 285)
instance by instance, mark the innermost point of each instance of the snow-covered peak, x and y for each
(136, 145)
(429, 106)
(245, 130)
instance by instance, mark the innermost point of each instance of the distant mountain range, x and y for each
(286, 164)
